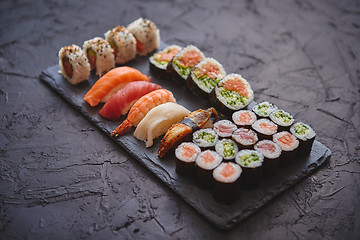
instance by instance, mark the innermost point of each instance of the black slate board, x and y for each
(223, 216)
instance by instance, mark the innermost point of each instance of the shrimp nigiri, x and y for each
(142, 106)
(111, 82)
(120, 103)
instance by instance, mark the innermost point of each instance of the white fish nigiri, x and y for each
(158, 120)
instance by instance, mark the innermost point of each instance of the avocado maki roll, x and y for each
(246, 138)
(224, 128)
(289, 145)
(244, 118)
(250, 162)
(205, 163)
(204, 77)
(306, 136)
(227, 148)
(205, 138)
(271, 152)
(283, 119)
(264, 109)
(160, 60)
(186, 154)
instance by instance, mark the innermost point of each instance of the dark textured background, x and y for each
(61, 178)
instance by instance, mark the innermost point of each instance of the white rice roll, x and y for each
(74, 65)
(158, 120)
(100, 55)
(147, 35)
(123, 43)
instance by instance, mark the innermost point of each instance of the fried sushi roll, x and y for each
(147, 35)
(271, 152)
(227, 148)
(224, 128)
(160, 60)
(283, 119)
(226, 182)
(186, 154)
(244, 118)
(205, 138)
(100, 55)
(204, 77)
(264, 109)
(289, 145)
(205, 163)
(306, 136)
(250, 162)
(74, 65)
(264, 128)
(123, 44)
(231, 94)
(245, 138)
(183, 63)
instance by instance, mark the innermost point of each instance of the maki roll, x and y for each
(204, 77)
(250, 162)
(289, 144)
(147, 35)
(246, 138)
(123, 44)
(264, 128)
(160, 60)
(283, 119)
(263, 109)
(227, 148)
(183, 63)
(306, 136)
(231, 94)
(186, 154)
(205, 163)
(271, 152)
(224, 128)
(100, 55)
(226, 182)
(205, 138)
(74, 65)
(244, 118)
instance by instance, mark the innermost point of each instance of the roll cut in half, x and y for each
(306, 136)
(244, 118)
(271, 152)
(204, 77)
(160, 60)
(264, 109)
(289, 145)
(283, 119)
(251, 163)
(147, 35)
(123, 44)
(186, 154)
(205, 163)
(100, 55)
(231, 94)
(74, 65)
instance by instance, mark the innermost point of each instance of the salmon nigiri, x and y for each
(142, 106)
(111, 82)
(120, 103)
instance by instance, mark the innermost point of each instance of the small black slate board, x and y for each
(223, 216)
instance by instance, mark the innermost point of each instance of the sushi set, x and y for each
(205, 136)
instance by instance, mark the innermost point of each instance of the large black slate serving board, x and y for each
(223, 216)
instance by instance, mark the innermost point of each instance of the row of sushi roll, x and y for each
(237, 154)
(121, 44)
(203, 76)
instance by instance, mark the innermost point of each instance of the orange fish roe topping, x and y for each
(190, 58)
(236, 85)
(287, 140)
(189, 151)
(228, 170)
(207, 158)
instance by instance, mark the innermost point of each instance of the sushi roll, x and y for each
(231, 94)
(205, 138)
(183, 63)
(186, 154)
(227, 148)
(264, 109)
(74, 65)
(306, 136)
(289, 145)
(226, 182)
(204, 77)
(283, 119)
(244, 118)
(246, 138)
(100, 55)
(251, 163)
(123, 44)
(147, 35)
(205, 163)
(224, 128)
(271, 152)
(264, 128)
(160, 60)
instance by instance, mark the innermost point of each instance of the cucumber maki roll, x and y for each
(264, 128)
(227, 148)
(264, 109)
(186, 154)
(224, 128)
(283, 119)
(244, 118)
(271, 152)
(250, 162)
(204, 77)
(205, 138)
(231, 94)
(246, 138)
(306, 136)
(289, 145)
(160, 60)
(205, 163)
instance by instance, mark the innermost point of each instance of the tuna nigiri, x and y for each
(111, 82)
(142, 106)
(120, 103)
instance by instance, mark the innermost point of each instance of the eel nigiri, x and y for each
(111, 82)
(179, 131)
(142, 107)
(158, 121)
(120, 103)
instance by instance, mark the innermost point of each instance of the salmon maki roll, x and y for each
(224, 128)
(271, 152)
(245, 138)
(244, 118)
(289, 145)
(74, 65)
(205, 163)
(111, 82)
(160, 60)
(186, 154)
(264, 128)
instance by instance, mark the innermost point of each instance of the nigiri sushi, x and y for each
(158, 120)
(179, 131)
(111, 82)
(142, 107)
(120, 103)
